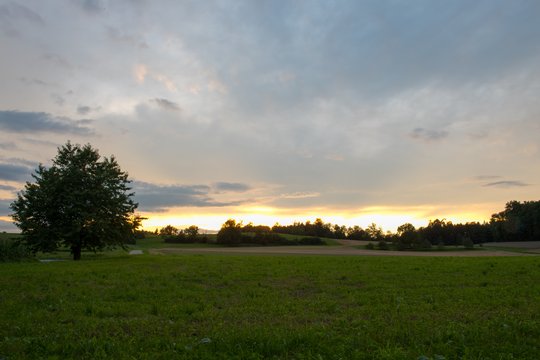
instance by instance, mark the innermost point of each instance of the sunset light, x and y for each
(277, 113)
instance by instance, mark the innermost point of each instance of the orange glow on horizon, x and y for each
(389, 218)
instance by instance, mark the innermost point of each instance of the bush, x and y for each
(467, 243)
(422, 244)
(230, 233)
(311, 241)
(11, 250)
(370, 246)
(440, 245)
(382, 245)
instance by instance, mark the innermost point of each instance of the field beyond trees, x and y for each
(252, 307)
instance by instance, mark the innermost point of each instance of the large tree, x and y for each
(81, 202)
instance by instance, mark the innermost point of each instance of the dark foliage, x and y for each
(80, 202)
(520, 221)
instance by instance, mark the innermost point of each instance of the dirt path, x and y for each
(330, 250)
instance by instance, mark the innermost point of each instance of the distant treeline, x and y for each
(520, 221)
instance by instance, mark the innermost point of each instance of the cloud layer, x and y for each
(341, 105)
(32, 122)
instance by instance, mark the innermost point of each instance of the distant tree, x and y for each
(407, 236)
(374, 232)
(340, 232)
(230, 233)
(357, 233)
(80, 202)
(192, 232)
(520, 221)
(168, 231)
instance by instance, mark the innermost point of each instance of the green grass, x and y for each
(511, 249)
(254, 307)
(9, 236)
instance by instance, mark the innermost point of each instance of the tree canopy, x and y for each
(80, 202)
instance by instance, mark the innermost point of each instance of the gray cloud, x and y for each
(57, 60)
(92, 6)
(166, 104)
(13, 10)
(13, 172)
(83, 110)
(21, 122)
(230, 187)
(152, 197)
(7, 226)
(506, 184)
(487, 177)
(5, 210)
(7, 187)
(34, 82)
(8, 146)
(13, 16)
(428, 135)
(118, 36)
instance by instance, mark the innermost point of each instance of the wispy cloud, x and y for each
(507, 184)
(166, 104)
(428, 135)
(7, 187)
(4, 207)
(13, 172)
(13, 10)
(7, 226)
(230, 187)
(22, 122)
(8, 146)
(152, 197)
(487, 177)
(300, 195)
(92, 6)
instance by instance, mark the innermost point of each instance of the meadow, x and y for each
(283, 307)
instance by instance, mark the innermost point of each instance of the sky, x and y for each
(280, 111)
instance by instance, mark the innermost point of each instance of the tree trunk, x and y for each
(76, 251)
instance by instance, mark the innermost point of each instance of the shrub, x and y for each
(311, 241)
(422, 244)
(382, 245)
(370, 246)
(230, 233)
(467, 243)
(11, 250)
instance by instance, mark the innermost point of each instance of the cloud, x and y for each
(230, 187)
(83, 110)
(152, 197)
(487, 177)
(4, 207)
(139, 72)
(300, 195)
(7, 226)
(12, 10)
(166, 104)
(12, 172)
(428, 135)
(8, 146)
(11, 15)
(117, 35)
(92, 6)
(7, 187)
(22, 122)
(506, 184)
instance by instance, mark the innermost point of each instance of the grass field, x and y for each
(254, 307)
